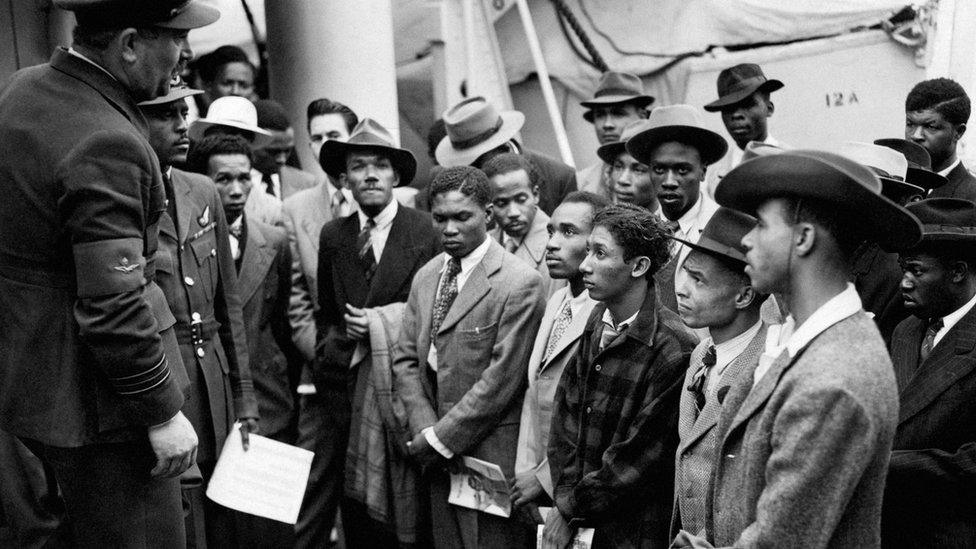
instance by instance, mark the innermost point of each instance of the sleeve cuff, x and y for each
(436, 443)
(545, 476)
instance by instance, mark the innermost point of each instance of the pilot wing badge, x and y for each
(125, 267)
(204, 218)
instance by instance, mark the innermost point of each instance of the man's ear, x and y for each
(126, 42)
(959, 271)
(770, 107)
(343, 180)
(804, 238)
(745, 296)
(960, 130)
(642, 264)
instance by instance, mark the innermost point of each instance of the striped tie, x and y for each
(365, 245)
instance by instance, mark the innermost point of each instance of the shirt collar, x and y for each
(833, 311)
(79, 55)
(619, 326)
(690, 218)
(382, 219)
(237, 222)
(945, 172)
(727, 351)
(473, 258)
(950, 320)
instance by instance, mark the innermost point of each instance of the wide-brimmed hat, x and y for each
(919, 163)
(112, 14)
(739, 82)
(475, 127)
(946, 220)
(368, 135)
(616, 88)
(680, 123)
(889, 165)
(233, 112)
(177, 90)
(723, 234)
(609, 152)
(826, 177)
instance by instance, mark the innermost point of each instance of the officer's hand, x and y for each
(248, 425)
(175, 444)
(357, 324)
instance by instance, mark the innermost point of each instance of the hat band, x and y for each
(115, 15)
(614, 91)
(746, 84)
(479, 138)
(881, 173)
(950, 229)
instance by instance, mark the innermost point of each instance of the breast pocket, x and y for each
(477, 341)
(204, 250)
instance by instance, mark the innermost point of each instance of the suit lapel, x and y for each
(351, 274)
(476, 287)
(572, 334)
(184, 206)
(396, 263)
(255, 263)
(904, 352)
(761, 391)
(537, 238)
(942, 368)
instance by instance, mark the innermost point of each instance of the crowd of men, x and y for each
(705, 345)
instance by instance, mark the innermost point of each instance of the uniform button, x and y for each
(213, 252)
(195, 316)
(589, 409)
(598, 367)
(188, 280)
(200, 352)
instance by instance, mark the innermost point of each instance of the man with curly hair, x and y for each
(614, 432)
(936, 113)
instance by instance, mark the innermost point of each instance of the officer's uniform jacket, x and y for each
(196, 271)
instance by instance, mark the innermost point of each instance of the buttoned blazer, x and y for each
(84, 328)
(932, 476)
(543, 378)
(482, 356)
(411, 243)
(962, 184)
(195, 268)
(532, 250)
(802, 455)
(305, 213)
(265, 287)
(697, 432)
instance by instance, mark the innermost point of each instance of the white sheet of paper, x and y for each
(582, 540)
(481, 485)
(268, 480)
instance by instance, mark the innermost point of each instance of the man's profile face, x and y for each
(569, 227)
(272, 157)
(324, 127)
(770, 247)
(515, 202)
(924, 282)
(371, 178)
(159, 56)
(676, 172)
(606, 273)
(609, 121)
(707, 295)
(232, 174)
(461, 222)
(168, 131)
(931, 130)
(747, 120)
(235, 78)
(631, 182)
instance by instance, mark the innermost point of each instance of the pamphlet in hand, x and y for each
(582, 540)
(482, 486)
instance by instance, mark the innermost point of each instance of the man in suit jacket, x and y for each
(520, 226)
(278, 179)
(717, 296)
(555, 346)
(366, 260)
(460, 365)
(936, 113)
(611, 449)
(90, 375)
(933, 458)
(802, 454)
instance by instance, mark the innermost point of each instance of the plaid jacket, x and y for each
(614, 428)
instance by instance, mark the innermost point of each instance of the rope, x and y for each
(580, 32)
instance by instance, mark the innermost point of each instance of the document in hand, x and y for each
(482, 486)
(268, 480)
(582, 540)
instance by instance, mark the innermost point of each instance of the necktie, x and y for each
(270, 186)
(365, 246)
(558, 329)
(446, 293)
(610, 333)
(697, 386)
(929, 341)
(338, 200)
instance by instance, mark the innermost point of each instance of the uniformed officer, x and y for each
(195, 269)
(90, 374)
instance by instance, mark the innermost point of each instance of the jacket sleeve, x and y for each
(300, 306)
(564, 434)
(408, 387)
(108, 181)
(332, 349)
(932, 470)
(280, 327)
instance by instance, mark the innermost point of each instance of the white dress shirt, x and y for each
(235, 245)
(381, 232)
(725, 353)
(951, 319)
(945, 172)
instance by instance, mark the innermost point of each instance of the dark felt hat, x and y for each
(826, 177)
(616, 88)
(679, 123)
(739, 82)
(946, 220)
(609, 152)
(919, 163)
(113, 14)
(368, 135)
(723, 234)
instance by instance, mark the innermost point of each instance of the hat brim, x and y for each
(932, 234)
(797, 176)
(195, 15)
(448, 156)
(198, 128)
(736, 97)
(711, 146)
(608, 153)
(926, 179)
(175, 94)
(332, 158)
(894, 187)
(641, 101)
(713, 247)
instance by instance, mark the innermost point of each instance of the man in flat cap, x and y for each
(91, 376)
(802, 454)
(619, 100)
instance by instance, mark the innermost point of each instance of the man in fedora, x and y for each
(802, 454)
(718, 296)
(936, 113)
(477, 131)
(92, 379)
(678, 149)
(233, 115)
(745, 105)
(630, 179)
(919, 172)
(933, 458)
(618, 101)
(366, 264)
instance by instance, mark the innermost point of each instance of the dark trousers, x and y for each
(110, 498)
(455, 526)
(32, 511)
(323, 428)
(362, 532)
